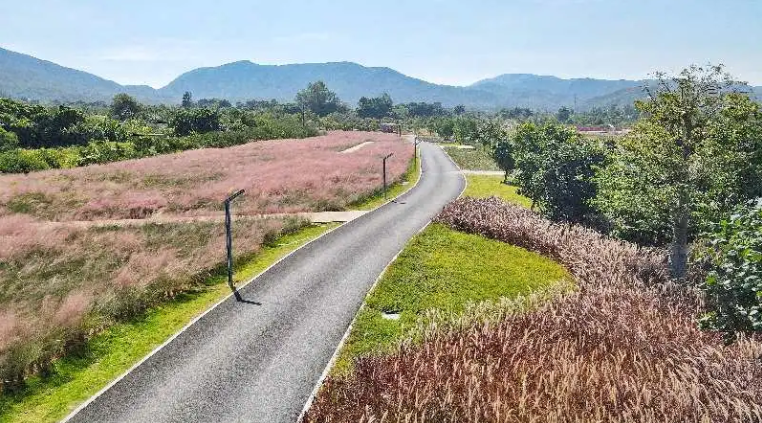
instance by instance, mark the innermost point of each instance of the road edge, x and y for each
(195, 320)
(343, 341)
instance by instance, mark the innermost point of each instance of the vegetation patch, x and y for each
(279, 176)
(477, 158)
(74, 378)
(624, 347)
(484, 186)
(444, 270)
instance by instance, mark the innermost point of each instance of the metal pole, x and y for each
(390, 155)
(229, 244)
(229, 236)
(415, 152)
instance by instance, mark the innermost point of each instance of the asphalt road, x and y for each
(258, 361)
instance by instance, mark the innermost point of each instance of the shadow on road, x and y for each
(240, 299)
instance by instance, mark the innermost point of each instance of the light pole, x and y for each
(415, 151)
(390, 155)
(229, 237)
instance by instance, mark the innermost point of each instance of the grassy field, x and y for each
(443, 270)
(483, 186)
(624, 346)
(64, 282)
(478, 158)
(77, 377)
(279, 176)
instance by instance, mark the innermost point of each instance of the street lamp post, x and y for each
(229, 236)
(385, 158)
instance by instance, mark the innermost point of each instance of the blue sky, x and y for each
(444, 41)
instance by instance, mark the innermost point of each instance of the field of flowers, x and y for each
(60, 284)
(623, 347)
(279, 176)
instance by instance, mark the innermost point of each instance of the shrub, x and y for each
(556, 169)
(733, 287)
(22, 161)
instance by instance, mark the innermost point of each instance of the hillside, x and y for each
(26, 77)
(245, 80)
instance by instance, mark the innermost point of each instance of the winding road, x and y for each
(259, 360)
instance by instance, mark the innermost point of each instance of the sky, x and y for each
(443, 41)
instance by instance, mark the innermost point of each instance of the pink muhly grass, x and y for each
(278, 175)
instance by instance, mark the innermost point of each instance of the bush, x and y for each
(733, 286)
(556, 169)
(22, 161)
(8, 140)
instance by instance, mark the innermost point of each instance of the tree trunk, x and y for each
(678, 255)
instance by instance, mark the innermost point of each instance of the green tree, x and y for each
(695, 153)
(459, 110)
(376, 108)
(556, 167)
(8, 140)
(318, 99)
(564, 115)
(187, 102)
(198, 120)
(124, 107)
(503, 156)
(466, 130)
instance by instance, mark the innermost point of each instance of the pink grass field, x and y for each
(279, 176)
(59, 284)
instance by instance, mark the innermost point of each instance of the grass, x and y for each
(624, 346)
(483, 186)
(411, 176)
(477, 158)
(445, 270)
(111, 353)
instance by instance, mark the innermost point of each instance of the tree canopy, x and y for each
(318, 99)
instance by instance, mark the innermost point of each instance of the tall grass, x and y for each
(60, 285)
(624, 347)
(279, 176)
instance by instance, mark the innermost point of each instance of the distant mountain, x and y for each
(539, 91)
(246, 80)
(26, 77)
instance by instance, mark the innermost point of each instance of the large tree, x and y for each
(376, 107)
(318, 99)
(695, 153)
(124, 107)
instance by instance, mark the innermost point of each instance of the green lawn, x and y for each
(483, 186)
(113, 352)
(446, 270)
(478, 158)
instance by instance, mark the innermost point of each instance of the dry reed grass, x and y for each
(624, 347)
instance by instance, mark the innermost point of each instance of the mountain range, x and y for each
(26, 77)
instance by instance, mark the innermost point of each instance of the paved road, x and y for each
(259, 361)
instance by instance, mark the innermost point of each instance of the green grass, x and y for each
(478, 158)
(407, 181)
(114, 351)
(483, 186)
(445, 270)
